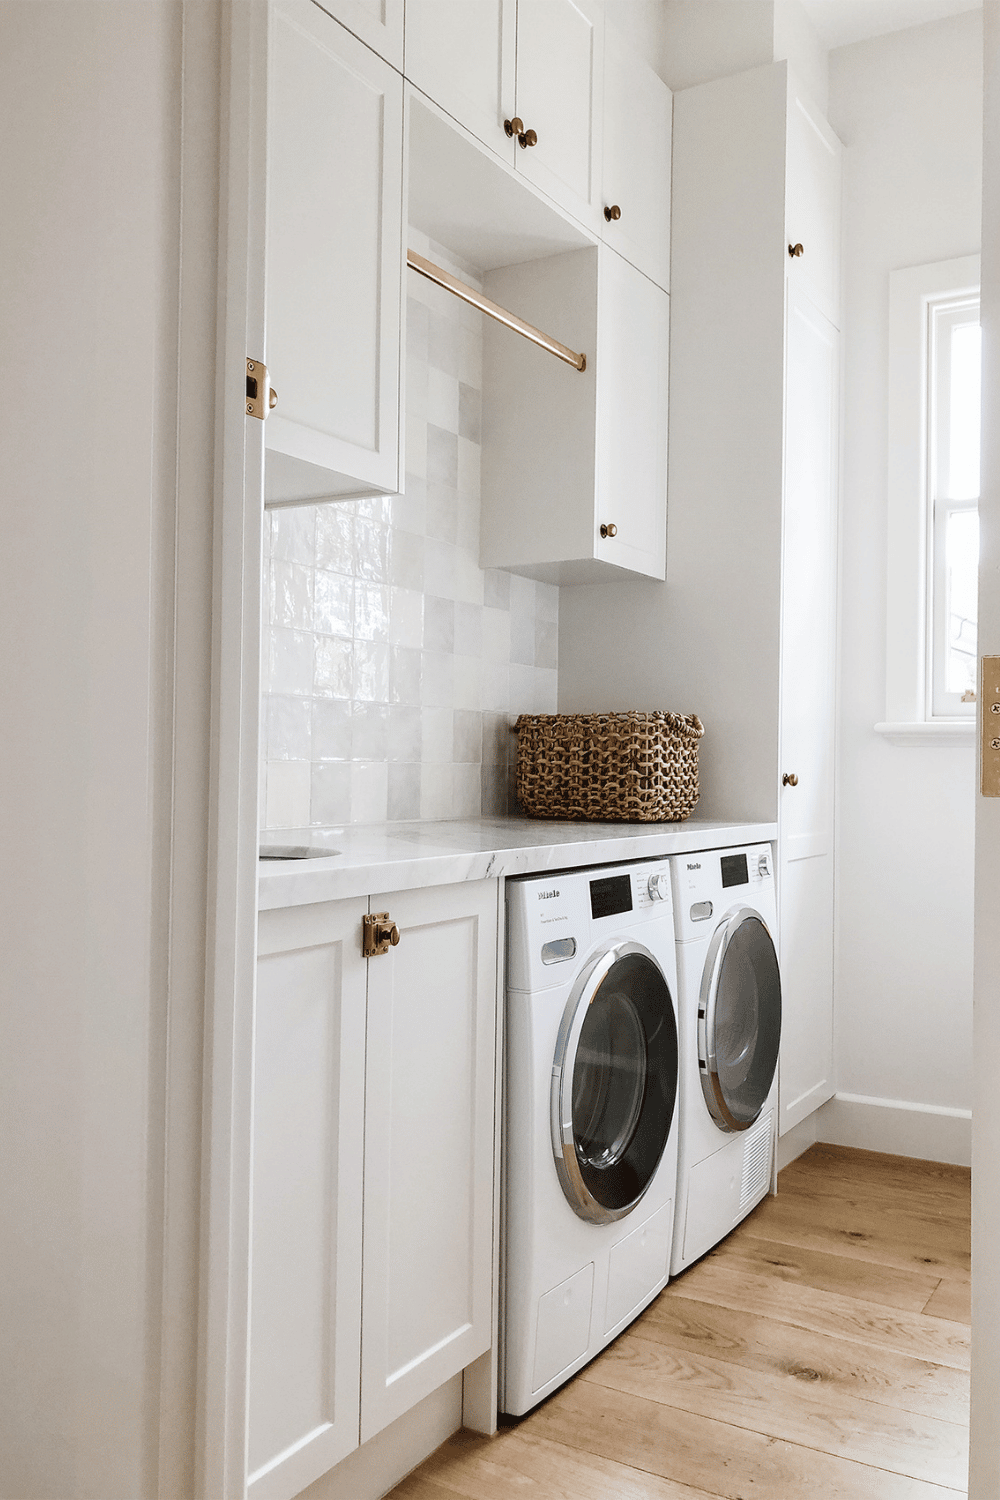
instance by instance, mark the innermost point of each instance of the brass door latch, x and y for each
(261, 395)
(378, 934)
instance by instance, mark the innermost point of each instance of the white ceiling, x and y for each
(842, 21)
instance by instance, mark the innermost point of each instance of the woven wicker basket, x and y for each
(629, 768)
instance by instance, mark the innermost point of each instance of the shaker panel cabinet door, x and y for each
(812, 212)
(807, 723)
(333, 259)
(632, 370)
(379, 23)
(636, 174)
(429, 1129)
(308, 1144)
(460, 53)
(560, 83)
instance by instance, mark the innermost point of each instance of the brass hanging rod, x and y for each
(492, 310)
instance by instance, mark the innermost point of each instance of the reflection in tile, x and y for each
(291, 594)
(331, 729)
(293, 533)
(439, 624)
(334, 676)
(335, 538)
(370, 731)
(291, 661)
(404, 792)
(405, 733)
(371, 671)
(372, 543)
(405, 666)
(331, 794)
(371, 612)
(333, 604)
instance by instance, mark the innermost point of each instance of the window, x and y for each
(933, 523)
(953, 503)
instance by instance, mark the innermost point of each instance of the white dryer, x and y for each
(590, 1155)
(729, 1016)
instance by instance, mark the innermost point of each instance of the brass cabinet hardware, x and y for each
(614, 212)
(493, 310)
(989, 692)
(378, 934)
(515, 127)
(609, 529)
(261, 395)
(796, 250)
(789, 779)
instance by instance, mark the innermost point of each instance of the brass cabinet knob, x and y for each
(789, 779)
(609, 530)
(378, 934)
(796, 250)
(527, 138)
(614, 212)
(513, 127)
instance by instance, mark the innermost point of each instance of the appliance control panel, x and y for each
(707, 885)
(554, 919)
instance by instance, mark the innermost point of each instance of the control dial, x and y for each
(764, 865)
(658, 885)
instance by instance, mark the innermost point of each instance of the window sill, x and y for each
(939, 732)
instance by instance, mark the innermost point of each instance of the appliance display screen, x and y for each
(734, 870)
(611, 895)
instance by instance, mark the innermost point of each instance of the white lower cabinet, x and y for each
(373, 1156)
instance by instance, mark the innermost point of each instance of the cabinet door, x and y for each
(461, 54)
(379, 23)
(812, 199)
(560, 80)
(636, 173)
(334, 259)
(429, 1147)
(308, 1142)
(632, 372)
(807, 704)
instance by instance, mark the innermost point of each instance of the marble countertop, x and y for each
(370, 859)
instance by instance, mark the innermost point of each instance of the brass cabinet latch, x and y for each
(378, 934)
(261, 395)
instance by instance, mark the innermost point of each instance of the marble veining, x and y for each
(404, 856)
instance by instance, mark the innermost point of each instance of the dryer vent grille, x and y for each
(756, 1161)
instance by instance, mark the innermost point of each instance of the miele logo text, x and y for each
(694, 867)
(547, 895)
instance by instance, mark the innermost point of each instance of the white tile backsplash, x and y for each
(395, 665)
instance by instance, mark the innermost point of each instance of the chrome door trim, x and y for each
(707, 1001)
(589, 981)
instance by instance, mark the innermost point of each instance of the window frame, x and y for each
(913, 293)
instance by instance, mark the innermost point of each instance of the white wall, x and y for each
(706, 39)
(94, 1393)
(908, 108)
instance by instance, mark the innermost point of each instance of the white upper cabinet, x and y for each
(333, 260)
(566, 453)
(636, 173)
(560, 80)
(379, 23)
(460, 53)
(812, 205)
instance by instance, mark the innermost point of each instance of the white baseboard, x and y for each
(795, 1141)
(897, 1126)
(377, 1467)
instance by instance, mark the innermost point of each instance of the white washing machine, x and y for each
(729, 1021)
(590, 1154)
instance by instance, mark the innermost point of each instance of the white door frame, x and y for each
(232, 937)
(984, 1463)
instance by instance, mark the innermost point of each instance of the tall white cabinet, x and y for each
(743, 632)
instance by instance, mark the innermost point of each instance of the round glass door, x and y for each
(614, 1083)
(739, 1020)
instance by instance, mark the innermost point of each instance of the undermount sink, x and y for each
(295, 851)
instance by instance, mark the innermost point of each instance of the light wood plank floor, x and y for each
(820, 1353)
